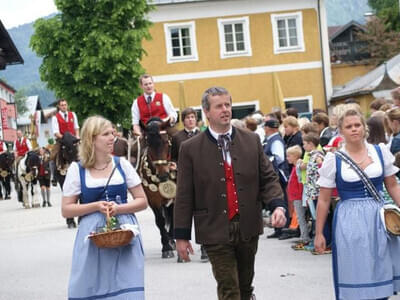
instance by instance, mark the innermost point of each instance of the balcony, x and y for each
(349, 51)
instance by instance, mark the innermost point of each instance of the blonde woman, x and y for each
(292, 132)
(366, 260)
(103, 273)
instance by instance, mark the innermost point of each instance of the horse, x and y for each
(6, 166)
(159, 180)
(27, 172)
(67, 153)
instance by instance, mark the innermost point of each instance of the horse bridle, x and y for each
(167, 189)
(163, 162)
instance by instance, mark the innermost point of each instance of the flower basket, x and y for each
(112, 238)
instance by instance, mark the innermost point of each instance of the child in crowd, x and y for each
(306, 129)
(310, 144)
(295, 192)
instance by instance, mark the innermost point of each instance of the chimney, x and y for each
(369, 16)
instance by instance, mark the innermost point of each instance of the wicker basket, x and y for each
(112, 239)
(392, 221)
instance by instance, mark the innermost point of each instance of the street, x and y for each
(36, 250)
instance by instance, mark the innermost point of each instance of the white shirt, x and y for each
(261, 133)
(54, 122)
(215, 136)
(277, 148)
(28, 144)
(72, 184)
(327, 172)
(169, 109)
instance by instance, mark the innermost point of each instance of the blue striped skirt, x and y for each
(100, 273)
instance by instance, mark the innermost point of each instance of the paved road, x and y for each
(36, 248)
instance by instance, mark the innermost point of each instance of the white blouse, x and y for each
(72, 184)
(327, 172)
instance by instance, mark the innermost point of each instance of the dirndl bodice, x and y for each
(357, 189)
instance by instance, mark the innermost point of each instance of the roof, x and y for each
(8, 51)
(332, 30)
(32, 105)
(335, 31)
(49, 112)
(385, 76)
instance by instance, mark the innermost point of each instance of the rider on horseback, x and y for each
(64, 121)
(22, 145)
(151, 104)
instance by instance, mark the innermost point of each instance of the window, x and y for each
(234, 37)
(302, 104)
(287, 31)
(181, 42)
(243, 109)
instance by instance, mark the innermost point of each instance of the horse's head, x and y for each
(6, 160)
(159, 146)
(69, 149)
(32, 163)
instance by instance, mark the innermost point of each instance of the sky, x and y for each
(17, 12)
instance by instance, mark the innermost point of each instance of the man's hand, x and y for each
(184, 248)
(278, 218)
(136, 130)
(172, 166)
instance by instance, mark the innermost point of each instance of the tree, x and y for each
(381, 43)
(20, 101)
(91, 54)
(387, 10)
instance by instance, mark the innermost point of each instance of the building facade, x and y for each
(244, 46)
(8, 126)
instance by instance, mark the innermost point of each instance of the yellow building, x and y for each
(251, 47)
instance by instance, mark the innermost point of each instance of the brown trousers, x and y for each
(233, 264)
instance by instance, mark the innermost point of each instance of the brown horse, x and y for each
(159, 179)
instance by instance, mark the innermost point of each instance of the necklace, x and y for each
(362, 160)
(105, 167)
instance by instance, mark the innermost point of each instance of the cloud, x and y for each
(18, 12)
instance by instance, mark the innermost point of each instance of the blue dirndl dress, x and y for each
(366, 259)
(101, 273)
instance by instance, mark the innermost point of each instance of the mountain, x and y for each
(27, 77)
(341, 12)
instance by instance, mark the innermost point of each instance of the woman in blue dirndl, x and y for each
(366, 259)
(103, 273)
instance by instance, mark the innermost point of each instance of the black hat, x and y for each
(271, 123)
